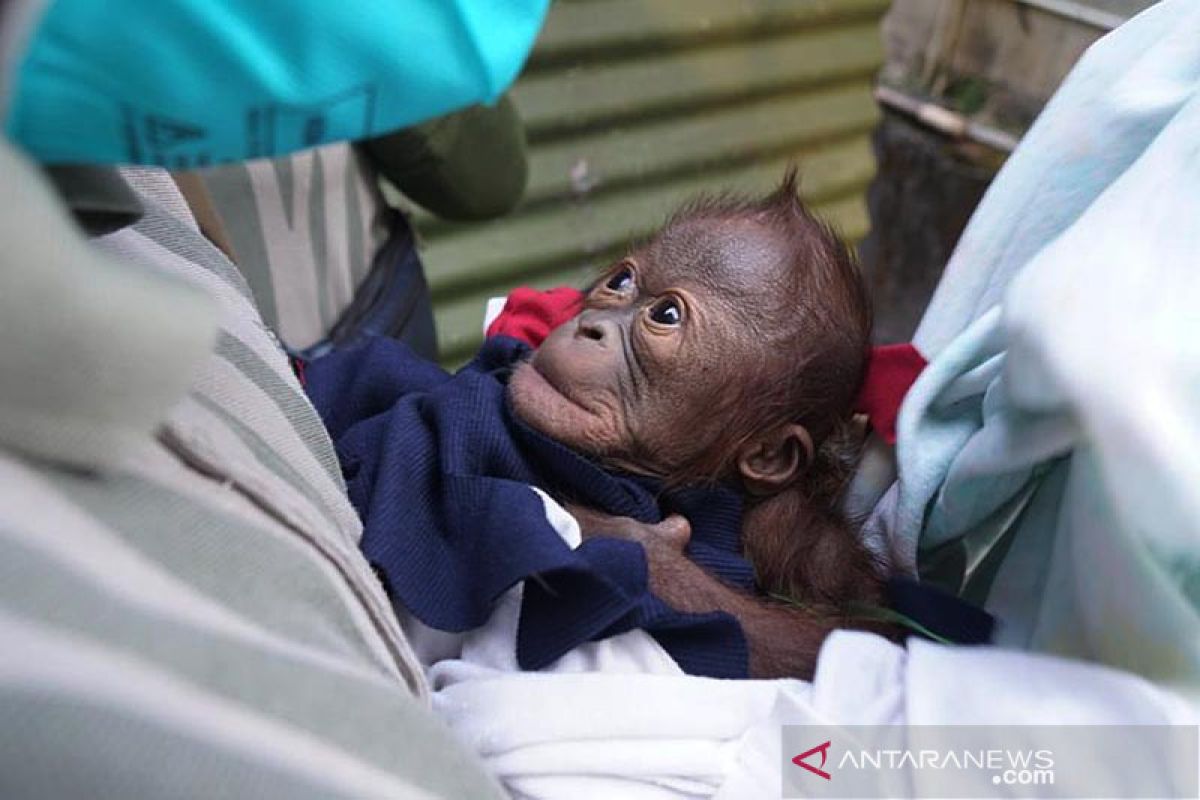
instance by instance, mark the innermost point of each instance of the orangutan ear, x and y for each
(771, 460)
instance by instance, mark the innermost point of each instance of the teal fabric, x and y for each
(188, 83)
(1049, 455)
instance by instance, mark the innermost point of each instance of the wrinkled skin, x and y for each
(660, 341)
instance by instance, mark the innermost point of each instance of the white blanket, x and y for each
(618, 719)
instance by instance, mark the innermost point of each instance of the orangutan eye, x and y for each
(622, 280)
(666, 312)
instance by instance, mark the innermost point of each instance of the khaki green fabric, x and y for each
(183, 608)
(470, 165)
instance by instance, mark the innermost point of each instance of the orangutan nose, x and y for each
(595, 328)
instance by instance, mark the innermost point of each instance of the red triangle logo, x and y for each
(823, 749)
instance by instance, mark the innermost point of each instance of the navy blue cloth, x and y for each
(439, 468)
(950, 617)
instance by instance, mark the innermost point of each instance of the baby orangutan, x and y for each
(729, 348)
(695, 417)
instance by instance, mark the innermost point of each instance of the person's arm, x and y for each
(784, 640)
(469, 165)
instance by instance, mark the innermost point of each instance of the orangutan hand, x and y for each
(783, 641)
(669, 536)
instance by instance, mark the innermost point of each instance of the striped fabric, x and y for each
(304, 229)
(187, 614)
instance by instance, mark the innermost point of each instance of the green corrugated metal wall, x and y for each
(633, 105)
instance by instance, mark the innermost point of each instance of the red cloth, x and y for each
(298, 368)
(530, 315)
(891, 371)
